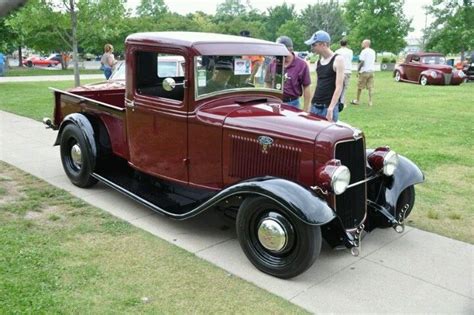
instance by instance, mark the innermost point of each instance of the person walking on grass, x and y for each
(108, 61)
(347, 54)
(365, 70)
(330, 71)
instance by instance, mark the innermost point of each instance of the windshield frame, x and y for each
(198, 96)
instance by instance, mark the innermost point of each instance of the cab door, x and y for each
(156, 117)
(414, 68)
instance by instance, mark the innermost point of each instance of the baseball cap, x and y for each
(319, 36)
(285, 40)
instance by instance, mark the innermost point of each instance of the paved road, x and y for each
(413, 272)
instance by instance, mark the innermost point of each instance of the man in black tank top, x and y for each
(330, 72)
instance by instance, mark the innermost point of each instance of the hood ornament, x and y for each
(266, 142)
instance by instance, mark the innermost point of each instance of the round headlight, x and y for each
(390, 163)
(433, 74)
(461, 74)
(340, 179)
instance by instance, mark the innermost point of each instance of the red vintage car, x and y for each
(428, 68)
(35, 61)
(183, 142)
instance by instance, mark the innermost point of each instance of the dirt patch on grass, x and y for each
(9, 191)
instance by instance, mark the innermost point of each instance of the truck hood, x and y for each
(277, 120)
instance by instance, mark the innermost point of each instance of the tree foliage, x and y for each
(294, 30)
(327, 16)
(381, 21)
(452, 31)
(277, 16)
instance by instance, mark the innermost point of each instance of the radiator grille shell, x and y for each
(351, 205)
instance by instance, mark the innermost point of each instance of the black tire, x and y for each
(80, 174)
(398, 76)
(301, 249)
(29, 64)
(406, 197)
(424, 80)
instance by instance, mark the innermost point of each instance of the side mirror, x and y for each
(169, 84)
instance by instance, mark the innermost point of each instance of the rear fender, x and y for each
(86, 128)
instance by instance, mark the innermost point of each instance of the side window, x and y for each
(415, 59)
(151, 70)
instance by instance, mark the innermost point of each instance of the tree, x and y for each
(327, 16)
(295, 31)
(452, 31)
(152, 8)
(231, 9)
(277, 16)
(381, 21)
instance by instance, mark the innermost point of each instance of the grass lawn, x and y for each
(61, 255)
(431, 125)
(25, 71)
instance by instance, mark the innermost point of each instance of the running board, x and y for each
(153, 206)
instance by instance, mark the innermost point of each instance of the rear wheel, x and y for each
(423, 80)
(275, 241)
(76, 157)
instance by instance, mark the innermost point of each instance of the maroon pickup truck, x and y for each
(212, 136)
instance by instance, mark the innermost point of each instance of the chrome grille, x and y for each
(248, 159)
(447, 78)
(351, 205)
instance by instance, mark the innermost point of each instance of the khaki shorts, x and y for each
(366, 81)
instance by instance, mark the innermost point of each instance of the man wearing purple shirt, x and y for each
(297, 78)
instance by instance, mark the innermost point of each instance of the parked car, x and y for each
(427, 68)
(36, 61)
(205, 138)
(468, 68)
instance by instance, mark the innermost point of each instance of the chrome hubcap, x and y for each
(397, 76)
(272, 235)
(76, 156)
(423, 81)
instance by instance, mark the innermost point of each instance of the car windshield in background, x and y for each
(222, 74)
(433, 60)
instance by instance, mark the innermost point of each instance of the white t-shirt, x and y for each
(347, 54)
(367, 55)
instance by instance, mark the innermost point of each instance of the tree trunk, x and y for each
(20, 57)
(74, 43)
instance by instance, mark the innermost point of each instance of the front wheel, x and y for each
(274, 240)
(76, 157)
(398, 76)
(423, 80)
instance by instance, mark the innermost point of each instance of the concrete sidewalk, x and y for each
(39, 78)
(413, 272)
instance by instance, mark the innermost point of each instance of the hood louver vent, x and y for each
(250, 159)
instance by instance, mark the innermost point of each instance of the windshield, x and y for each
(222, 74)
(433, 60)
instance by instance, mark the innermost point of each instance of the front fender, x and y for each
(86, 128)
(300, 201)
(406, 174)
